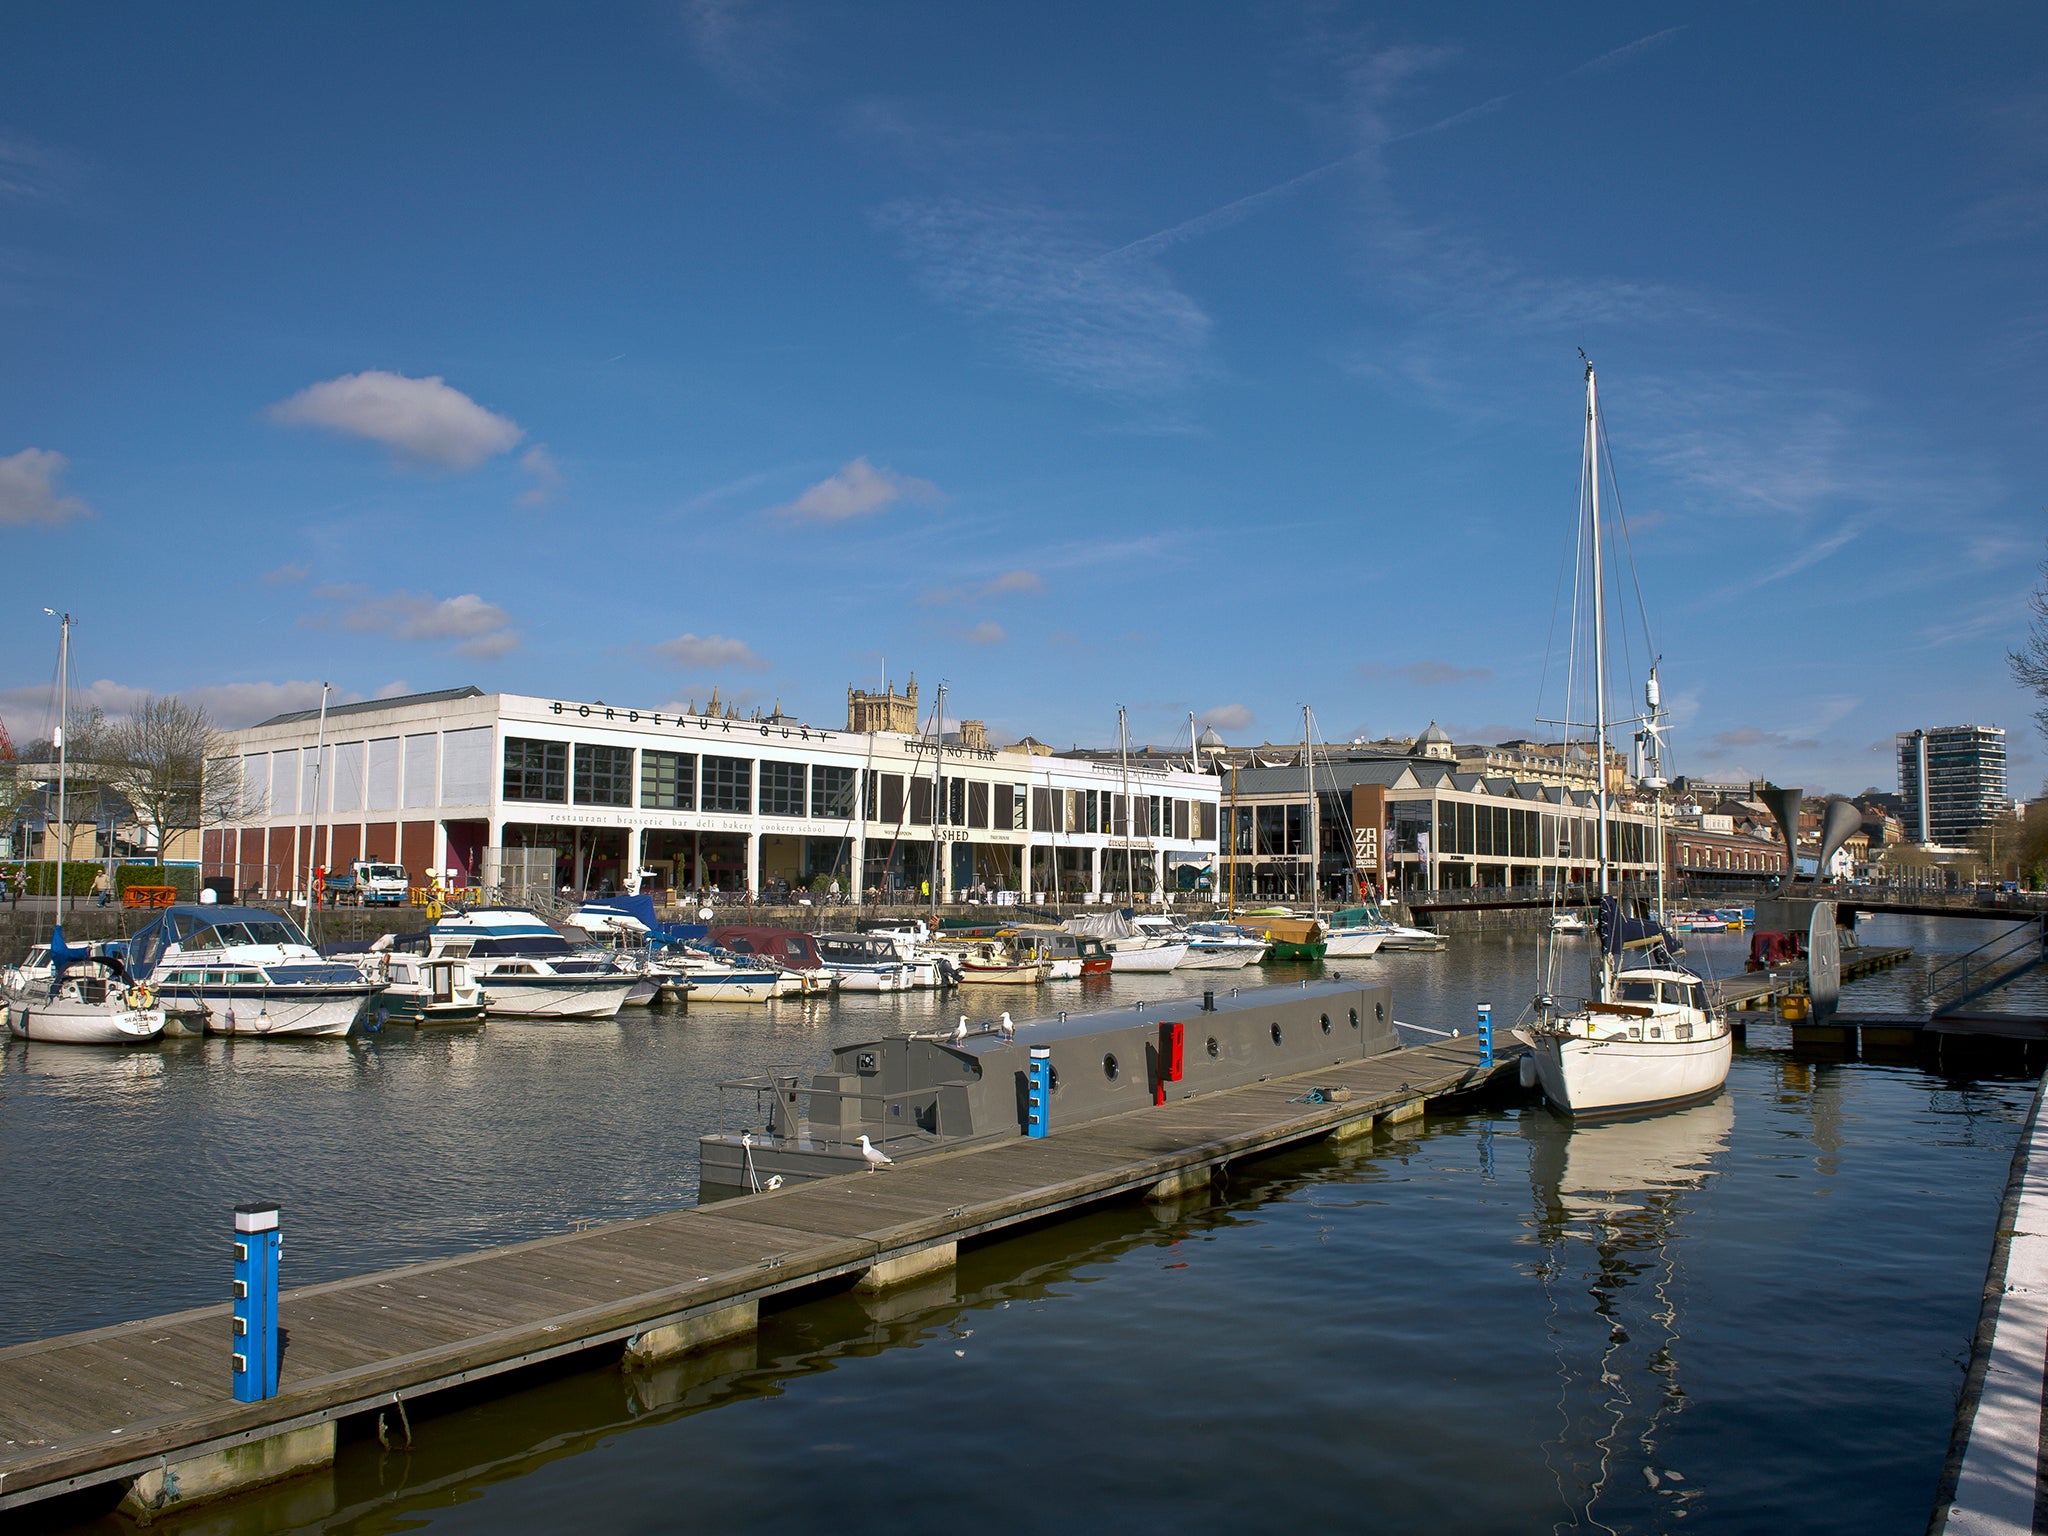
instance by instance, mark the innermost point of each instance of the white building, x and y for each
(460, 780)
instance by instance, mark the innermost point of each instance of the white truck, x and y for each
(378, 885)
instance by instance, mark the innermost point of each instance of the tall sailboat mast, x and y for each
(1599, 624)
(938, 797)
(1314, 845)
(313, 839)
(1123, 750)
(63, 731)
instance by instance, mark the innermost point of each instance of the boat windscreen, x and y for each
(523, 944)
(272, 930)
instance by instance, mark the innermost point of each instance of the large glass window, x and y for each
(728, 784)
(782, 789)
(604, 775)
(832, 792)
(668, 781)
(536, 770)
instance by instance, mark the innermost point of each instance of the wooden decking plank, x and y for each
(352, 1339)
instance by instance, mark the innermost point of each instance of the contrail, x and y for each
(1242, 207)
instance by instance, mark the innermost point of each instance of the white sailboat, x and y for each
(87, 996)
(1649, 1036)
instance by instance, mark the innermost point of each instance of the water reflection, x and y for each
(1611, 1200)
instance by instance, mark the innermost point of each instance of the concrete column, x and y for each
(632, 856)
(1095, 872)
(1158, 873)
(217, 1474)
(909, 1266)
(693, 1332)
(754, 863)
(858, 858)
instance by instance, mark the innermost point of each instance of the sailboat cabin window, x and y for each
(668, 781)
(1638, 992)
(536, 770)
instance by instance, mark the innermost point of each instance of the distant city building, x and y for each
(1951, 780)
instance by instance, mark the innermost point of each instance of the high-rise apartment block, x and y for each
(1952, 779)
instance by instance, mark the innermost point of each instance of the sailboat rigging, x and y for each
(1649, 1036)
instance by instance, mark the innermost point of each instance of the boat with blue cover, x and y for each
(223, 970)
(85, 996)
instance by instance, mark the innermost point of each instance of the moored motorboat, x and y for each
(995, 964)
(246, 971)
(423, 989)
(1222, 947)
(1153, 959)
(528, 970)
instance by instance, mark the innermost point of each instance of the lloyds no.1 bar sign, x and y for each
(1368, 826)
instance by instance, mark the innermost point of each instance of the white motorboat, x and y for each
(88, 997)
(909, 942)
(1568, 921)
(1222, 947)
(528, 970)
(1649, 1037)
(246, 971)
(723, 977)
(1153, 959)
(864, 963)
(1358, 943)
(422, 989)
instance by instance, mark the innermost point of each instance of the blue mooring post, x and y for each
(1038, 1092)
(1486, 1034)
(257, 1241)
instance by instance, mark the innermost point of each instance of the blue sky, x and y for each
(1187, 358)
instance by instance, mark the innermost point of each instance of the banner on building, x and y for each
(1368, 827)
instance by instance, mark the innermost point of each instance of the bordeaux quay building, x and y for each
(470, 787)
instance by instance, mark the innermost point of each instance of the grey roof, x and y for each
(1434, 736)
(1209, 738)
(1340, 775)
(364, 706)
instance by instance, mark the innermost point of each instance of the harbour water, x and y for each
(1750, 1314)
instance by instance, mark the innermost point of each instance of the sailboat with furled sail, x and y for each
(1649, 1035)
(88, 997)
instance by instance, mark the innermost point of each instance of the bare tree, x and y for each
(85, 752)
(2030, 662)
(172, 767)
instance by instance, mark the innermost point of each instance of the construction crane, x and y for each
(6, 744)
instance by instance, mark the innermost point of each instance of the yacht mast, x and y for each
(1599, 625)
(1123, 748)
(1314, 845)
(319, 752)
(63, 730)
(938, 797)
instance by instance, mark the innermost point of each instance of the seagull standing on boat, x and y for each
(875, 1156)
(960, 1029)
(1009, 1025)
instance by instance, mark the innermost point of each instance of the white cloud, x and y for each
(855, 490)
(547, 476)
(289, 574)
(479, 630)
(232, 705)
(1114, 327)
(1009, 584)
(745, 43)
(1226, 717)
(421, 419)
(711, 652)
(28, 490)
(986, 633)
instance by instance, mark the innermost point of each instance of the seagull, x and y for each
(960, 1029)
(1009, 1025)
(876, 1157)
